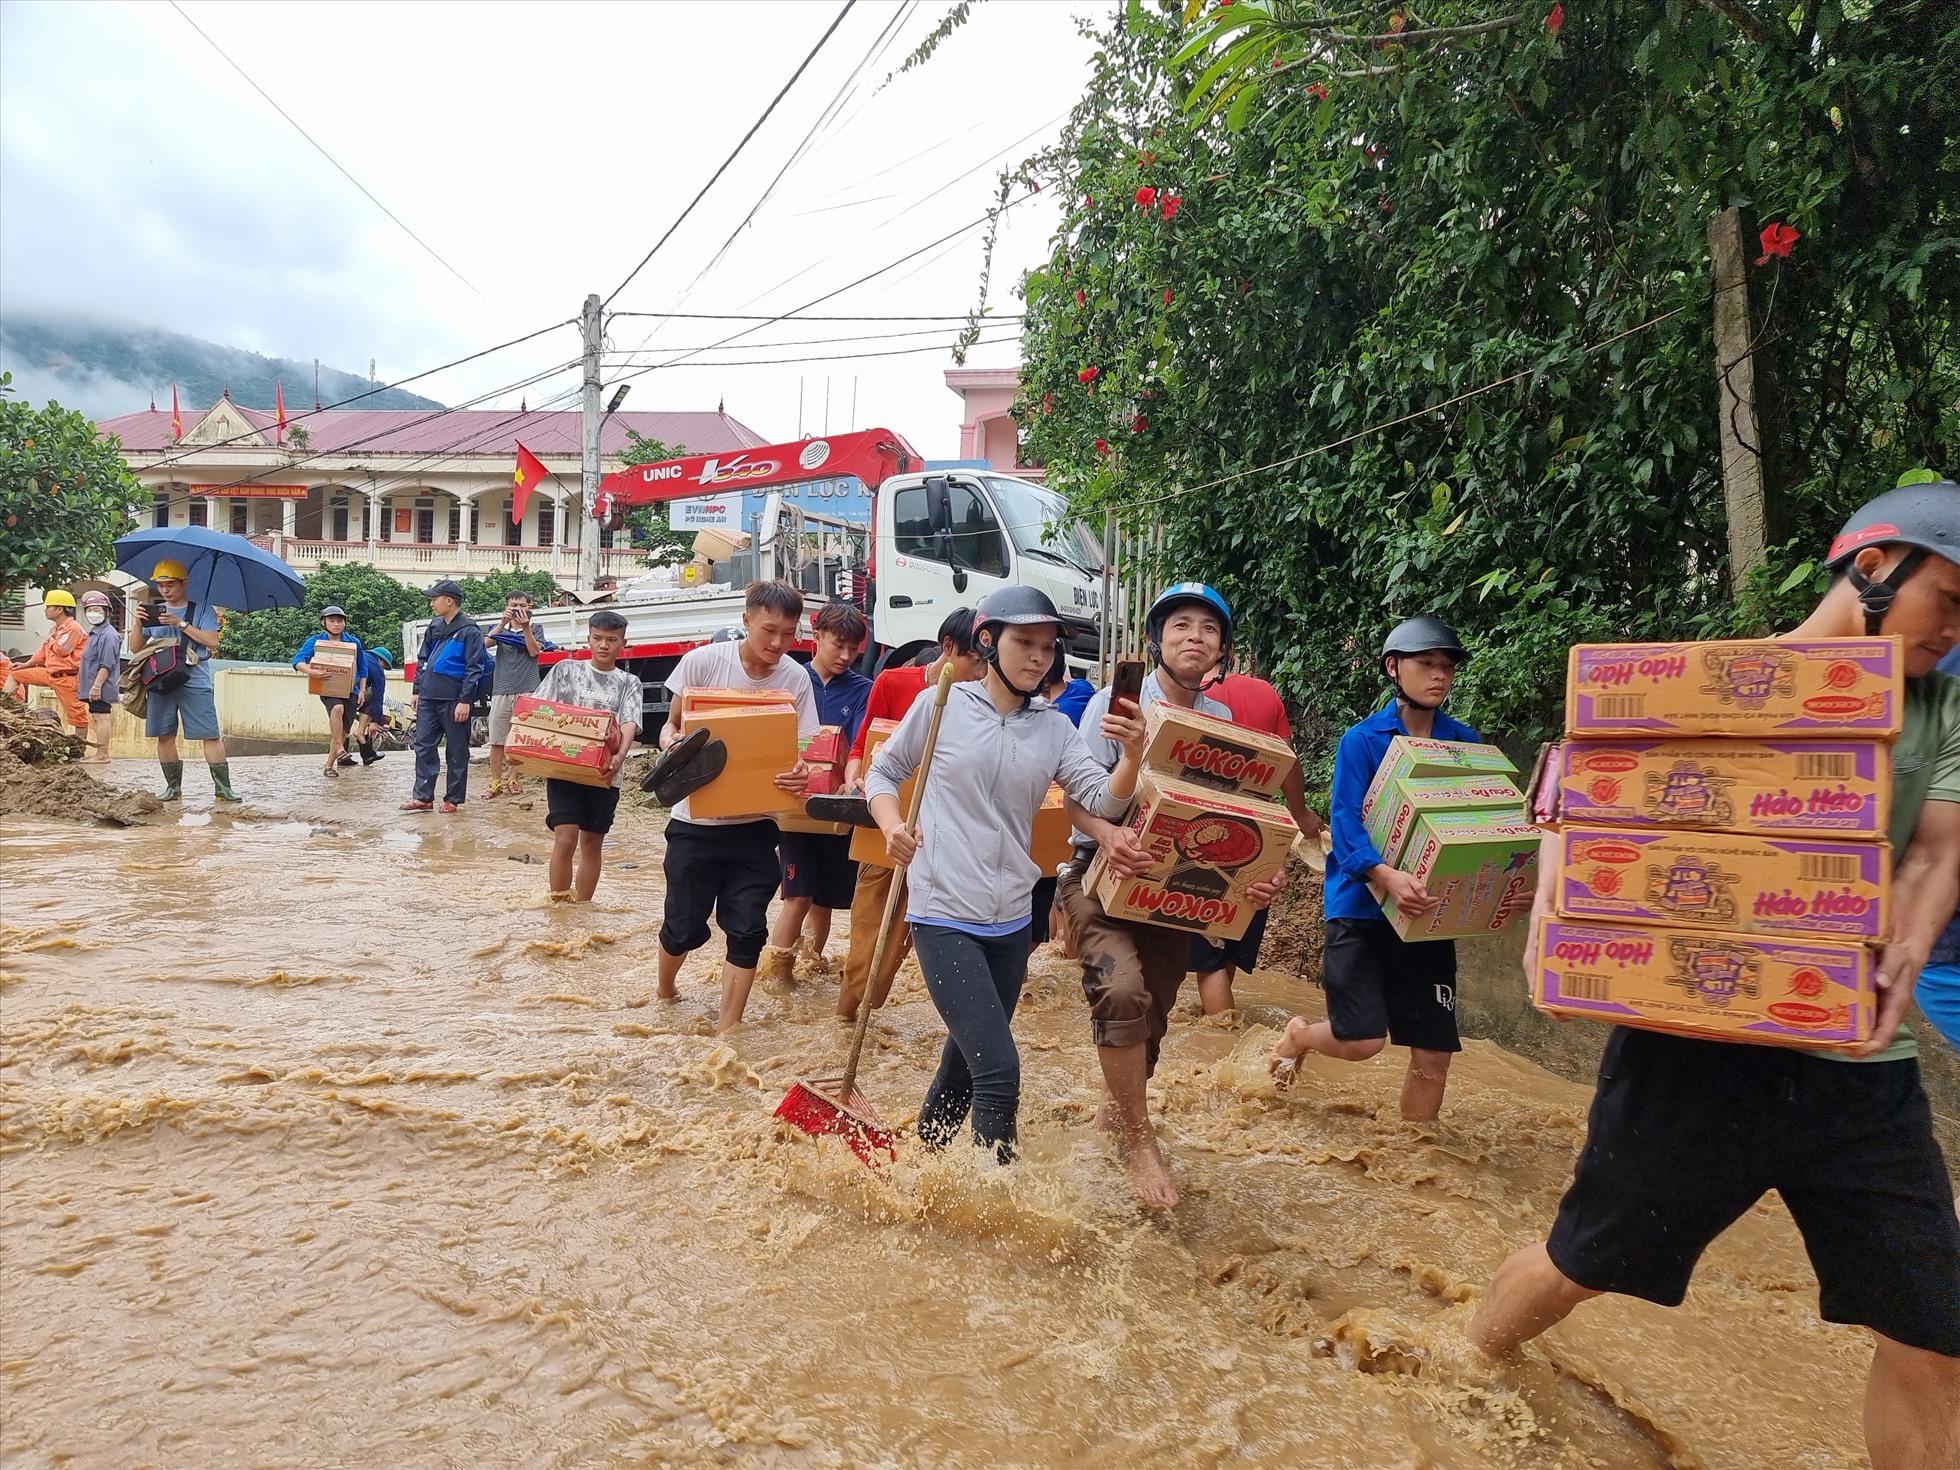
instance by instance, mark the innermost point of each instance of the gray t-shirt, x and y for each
(619, 693)
(515, 670)
(1107, 752)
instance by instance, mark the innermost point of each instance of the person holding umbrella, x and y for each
(189, 707)
(448, 672)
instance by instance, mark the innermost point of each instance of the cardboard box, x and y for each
(1048, 842)
(699, 701)
(827, 747)
(1208, 848)
(761, 743)
(1771, 689)
(1409, 759)
(868, 843)
(1395, 811)
(333, 670)
(1217, 754)
(1483, 866)
(561, 742)
(1840, 788)
(1733, 987)
(1727, 880)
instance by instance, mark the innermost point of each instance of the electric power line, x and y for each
(690, 352)
(627, 356)
(724, 316)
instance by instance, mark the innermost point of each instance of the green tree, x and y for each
(647, 525)
(1370, 315)
(486, 594)
(376, 604)
(65, 495)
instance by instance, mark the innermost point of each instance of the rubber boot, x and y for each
(173, 780)
(221, 782)
(369, 755)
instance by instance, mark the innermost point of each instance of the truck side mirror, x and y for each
(959, 579)
(939, 505)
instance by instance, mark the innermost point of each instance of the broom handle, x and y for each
(895, 895)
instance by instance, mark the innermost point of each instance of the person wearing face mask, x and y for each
(100, 676)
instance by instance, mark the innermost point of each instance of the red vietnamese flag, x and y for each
(525, 478)
(176, 415)
(279, 405)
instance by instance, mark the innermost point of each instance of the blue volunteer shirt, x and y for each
(1345, 894)
(360, 652)
(841, 702)
(1074, 699)
(377, 681)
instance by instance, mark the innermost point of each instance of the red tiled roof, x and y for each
(484, 431)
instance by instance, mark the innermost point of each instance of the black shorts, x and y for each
(341, 702)
(1042, 901)
(589, 808)
(99, 706)
(1378, 985)
(729, 872)
(1686, 1135)
(818, 866)
(1240, 954)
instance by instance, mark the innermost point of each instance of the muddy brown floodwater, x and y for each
(328, 1141)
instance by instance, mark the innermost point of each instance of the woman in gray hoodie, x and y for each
(967, 861)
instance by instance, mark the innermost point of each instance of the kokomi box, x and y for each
(1206, 850)
(868, 843)
(1731, 987)
(761, 742)
(561, 742)
(1837, 788)
(1395, 811)
(1409, 758)
(1204, 750)
(1767, 689)
(1482, 865)
(1734, 881)
(700, 701)
(332, 674)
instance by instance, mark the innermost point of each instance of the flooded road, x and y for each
(327, 1140)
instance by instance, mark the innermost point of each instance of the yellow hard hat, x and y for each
(55, 597)
(168, 570)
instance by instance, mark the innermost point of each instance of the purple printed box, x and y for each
(1727, 880)
(1762, 688)
(1839, 788)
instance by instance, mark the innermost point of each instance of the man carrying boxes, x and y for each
(1133, 909)
(1687, 1133)
(332, 661)
(721, 841)
(1380, 987)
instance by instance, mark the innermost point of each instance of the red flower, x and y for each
(1139, 424)
(1555, 18)
(1146, 158)
(1317, 92)
(1167, 295)
(1089, 374)
(1081, 298)
(1035, 184)
(1245, 287)
(1146, 196)
(1088, 201)
(1777, 239)
(1276, 63)
(1102, 446)
(1048, 403)
(1171, 205)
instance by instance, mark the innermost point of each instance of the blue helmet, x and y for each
(1186, 594)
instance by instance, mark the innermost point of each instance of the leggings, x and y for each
(974, 983)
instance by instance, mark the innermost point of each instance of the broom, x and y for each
(833, 1104)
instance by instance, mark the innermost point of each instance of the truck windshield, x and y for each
(1038, 520)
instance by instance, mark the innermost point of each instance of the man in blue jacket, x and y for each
(448, 672)
(1380, 988)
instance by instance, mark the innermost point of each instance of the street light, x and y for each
(619, 397)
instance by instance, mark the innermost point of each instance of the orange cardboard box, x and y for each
(1727, 880)
(561, 742)
(1768, 689)
(1048, 844)
(1207, 848)
(868, 843)
(1730, 987)
(697, 701)
(332, 674)
(1207, 751)
(1835, 788)
(761, 741)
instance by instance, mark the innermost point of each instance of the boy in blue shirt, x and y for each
(1379, 987)
(1939, 982)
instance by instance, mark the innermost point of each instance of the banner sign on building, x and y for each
(273, 492)
(716, 511)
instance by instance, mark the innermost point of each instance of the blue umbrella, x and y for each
(224, 570)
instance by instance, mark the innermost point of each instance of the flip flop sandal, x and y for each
(497, 789)
(677, 754)
(1285, 1072)
(853, 809)
(676, 780)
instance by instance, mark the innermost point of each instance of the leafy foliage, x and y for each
(647, 524)
(486, 594)
(65, 495)
(377, 606)
(1373, 316)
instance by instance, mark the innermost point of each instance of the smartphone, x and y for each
(1127, 683)
(152, 614)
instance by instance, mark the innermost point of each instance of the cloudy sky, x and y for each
(540, 150)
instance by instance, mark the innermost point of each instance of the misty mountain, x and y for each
(107, 368)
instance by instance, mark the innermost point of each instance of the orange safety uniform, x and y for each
(55, 665)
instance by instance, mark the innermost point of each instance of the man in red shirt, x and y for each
(1256, 705)
(893, 693)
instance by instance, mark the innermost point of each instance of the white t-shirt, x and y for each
(719, 666)
(619, 693)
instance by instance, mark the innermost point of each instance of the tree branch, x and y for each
(1747, 20)
(1434, 33)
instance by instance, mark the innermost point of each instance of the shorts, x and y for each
(1379, 985)
(193, 707)
(1131, 973)
(1236, 954)
(729, 872)
(100, 707)
(1686, 1135)
(1939, 998)
(343, 703)
(501, 708)
(589, 808)
(1042, 902)
(818, 866)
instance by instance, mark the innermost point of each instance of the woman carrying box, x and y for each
(967, 862)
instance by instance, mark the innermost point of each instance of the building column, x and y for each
(214, 516)
(289, 517)
(373, 493)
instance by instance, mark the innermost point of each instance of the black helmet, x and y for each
(1424, 635)
(1012, 606)
(1923, 517)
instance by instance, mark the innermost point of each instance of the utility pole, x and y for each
(588, 529)
(1747, 412)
